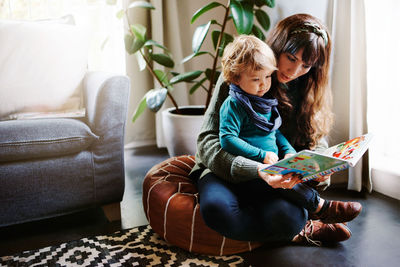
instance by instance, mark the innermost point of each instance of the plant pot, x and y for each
(181, 130)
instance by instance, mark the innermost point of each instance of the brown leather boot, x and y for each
(317, 233)
(338, 211)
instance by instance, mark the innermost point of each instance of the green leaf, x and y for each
(259, 3)
(155, 98)
(139, 31)
(142, 4)
(214, 38)
(174, 73)
(162, 76)
(226, 39)
(242, 16)
(263, 19)
(140, 109)
(197, 85)
(189, 57)
(204, 9)
(213, 21)
(132, 45)
(154, 43)
(140, 60)
(163, 59)
(258, 33)
(248, 17)
(120, 14)
(186, 77)
(208, 75)
(270, 3)
(199, 35)
(237, 14)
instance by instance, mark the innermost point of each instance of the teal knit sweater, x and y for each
(240, 136)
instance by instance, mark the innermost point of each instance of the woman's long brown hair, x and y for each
(314, 118)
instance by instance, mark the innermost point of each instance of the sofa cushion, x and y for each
(42, 65)
(27, 139)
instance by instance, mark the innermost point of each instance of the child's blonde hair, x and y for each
(246, 52)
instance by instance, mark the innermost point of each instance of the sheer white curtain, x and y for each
(166, 17)
(366, 91)
(148, 128)
(169, 24)
(383, 44)
(349, 81)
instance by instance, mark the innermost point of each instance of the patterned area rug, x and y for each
(138, 246)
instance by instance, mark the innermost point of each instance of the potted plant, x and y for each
(242, 13)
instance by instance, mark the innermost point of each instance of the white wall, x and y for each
(385, 182)
(317, 8)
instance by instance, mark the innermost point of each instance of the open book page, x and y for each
(308, 164)
(312, 164)
(351, 150)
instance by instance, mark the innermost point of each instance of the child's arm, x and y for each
(231, 118)
(285, 148)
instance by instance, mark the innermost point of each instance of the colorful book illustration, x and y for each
(311, 164)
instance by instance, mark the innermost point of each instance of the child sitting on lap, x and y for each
(249, 118)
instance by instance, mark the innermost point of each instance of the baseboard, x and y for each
(386, 183)
(142, 143)
(112, 211)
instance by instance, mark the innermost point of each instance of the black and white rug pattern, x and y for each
(138, 246)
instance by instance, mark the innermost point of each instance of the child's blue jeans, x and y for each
(253, 210)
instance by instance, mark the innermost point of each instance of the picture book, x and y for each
(311, 164)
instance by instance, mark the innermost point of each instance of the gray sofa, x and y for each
(51, 167)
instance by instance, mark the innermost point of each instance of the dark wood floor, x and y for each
(375, 240)
(374, 243)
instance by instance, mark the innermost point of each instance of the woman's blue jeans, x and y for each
(253, 210)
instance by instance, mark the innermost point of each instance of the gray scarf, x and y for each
(253, 104)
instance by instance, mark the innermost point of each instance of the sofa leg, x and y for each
(112, 211)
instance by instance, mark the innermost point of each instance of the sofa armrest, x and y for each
(106, 100)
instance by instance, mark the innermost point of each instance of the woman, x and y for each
(243, 203)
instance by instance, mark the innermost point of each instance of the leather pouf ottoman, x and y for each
(170, 201)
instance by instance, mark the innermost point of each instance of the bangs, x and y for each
(313, 53)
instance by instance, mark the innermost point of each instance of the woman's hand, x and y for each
(322, 179)
(288, 181)
(270, 158)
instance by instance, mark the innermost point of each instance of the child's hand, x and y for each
(270, 158)
(288, 155)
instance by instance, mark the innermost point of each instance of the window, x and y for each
(106, 52)
(383, 57)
